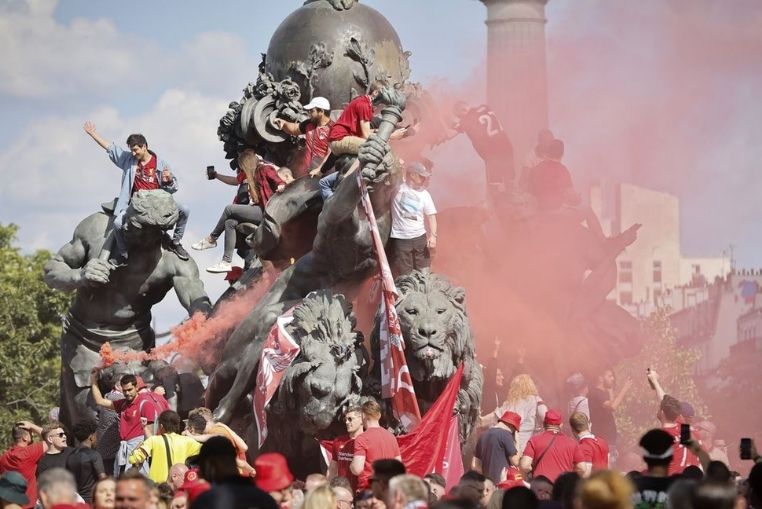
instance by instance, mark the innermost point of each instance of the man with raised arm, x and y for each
(141, 170)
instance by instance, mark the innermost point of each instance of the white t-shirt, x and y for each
(408, 211)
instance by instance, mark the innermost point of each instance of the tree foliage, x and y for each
(30, 328)
(675, 366)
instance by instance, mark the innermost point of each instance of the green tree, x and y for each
(30, 328)
(675, 366)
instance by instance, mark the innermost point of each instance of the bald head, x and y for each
(177, 475)
(313, 481)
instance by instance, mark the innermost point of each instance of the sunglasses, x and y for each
(61, 434)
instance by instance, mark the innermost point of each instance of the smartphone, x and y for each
(210, 173)
(685, 434)
(745, 449)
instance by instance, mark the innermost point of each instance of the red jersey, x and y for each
(360, 109)
(682, 457)
(343, 450)
(146, 176)
(24, 461)
(374, 444)
(554, 459)
(592, 449)
(268, 180)
(316, 143)
(130, 413)
(486, 134)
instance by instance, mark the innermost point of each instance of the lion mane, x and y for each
(438, 339)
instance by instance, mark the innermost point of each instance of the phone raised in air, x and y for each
(210, 173)
(745, 449)
(685, 434)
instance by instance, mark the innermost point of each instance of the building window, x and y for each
(625, 298)
(657, 271)
(625, 272)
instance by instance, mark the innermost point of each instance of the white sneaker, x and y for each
(221, 267)
(204, 244)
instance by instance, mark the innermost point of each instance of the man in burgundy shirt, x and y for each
(315, 131)
(137, 413)
(344, 447)
(23, 457)
(550, 453)
(375, 443)
(592, 452)
(353, 126)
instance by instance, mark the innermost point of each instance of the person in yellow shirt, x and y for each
(166, 448)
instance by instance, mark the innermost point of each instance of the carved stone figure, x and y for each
(438, 339)
(114, 304)
(323, 380)
(341, 258)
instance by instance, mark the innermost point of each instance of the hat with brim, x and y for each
(318, 102)
(511, 419)
(420, 169)
(13, 488)
(272, 472)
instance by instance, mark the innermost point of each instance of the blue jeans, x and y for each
(328, 185)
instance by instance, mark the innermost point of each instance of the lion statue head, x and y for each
(435, 325)
(326, 375)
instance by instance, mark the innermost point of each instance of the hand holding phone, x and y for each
(685, 434)
(745, 449)
(210, 172)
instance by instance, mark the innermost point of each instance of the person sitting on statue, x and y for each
(244, 209)
(352, 129)
(140, 171)
(411, 241)
(114, 304)
(315, 131)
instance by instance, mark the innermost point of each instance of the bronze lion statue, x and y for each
(438, 339)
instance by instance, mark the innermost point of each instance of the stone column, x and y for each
(517, 88)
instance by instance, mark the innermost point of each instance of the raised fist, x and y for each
(96, 271)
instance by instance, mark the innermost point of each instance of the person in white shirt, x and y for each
(414, 222)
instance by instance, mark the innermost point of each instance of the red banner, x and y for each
(396, 382)
(278, 353)
(435, 443)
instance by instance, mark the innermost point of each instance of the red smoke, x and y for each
(199, 338)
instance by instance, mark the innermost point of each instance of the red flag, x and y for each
(396, 382)
(431, 446)
(452, 465)
(278, 353)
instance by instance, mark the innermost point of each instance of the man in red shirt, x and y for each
(592, 452)
(375, 443)
(550, 453)
(137, 413)
(353, 126)
(315, 131)
(344, 447)
(23, 457)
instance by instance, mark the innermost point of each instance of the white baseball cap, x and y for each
(319, 102)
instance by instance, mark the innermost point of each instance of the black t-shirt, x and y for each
(494, 448)
(483, 128)
(651, 492)
(235, 493)
(601, 418)
(87, 465)
(53, 461)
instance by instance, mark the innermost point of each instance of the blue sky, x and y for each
(663, 94)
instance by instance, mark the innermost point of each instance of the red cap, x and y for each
(194, 485)
(512, 419)
(553, 418)
(139, 383)
(513, 474)
(272, 472)
(234, 274)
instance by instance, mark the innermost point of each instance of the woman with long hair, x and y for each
(104, 493)
(523, 399)
(321, 497)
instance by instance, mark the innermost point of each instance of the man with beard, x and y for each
(344, 447)
(603, 401)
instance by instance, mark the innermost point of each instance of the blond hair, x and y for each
(522, 386)
(605, 490)
(321, 497)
